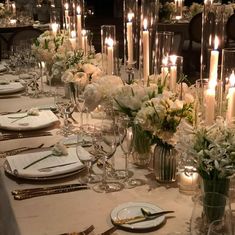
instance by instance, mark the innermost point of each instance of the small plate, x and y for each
(132, 209)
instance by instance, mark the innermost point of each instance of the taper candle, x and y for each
(173, 73)
(145, 50)
(210, 105)
(110, 64)
(79, 26)
(129, 27)
(231, 99)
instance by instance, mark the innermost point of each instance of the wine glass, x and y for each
(89, 132)
(65, 107)
(126, 143)
(107, 147)
(220, 227)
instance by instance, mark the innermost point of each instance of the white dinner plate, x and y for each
(132, 209)
(11, 87)
(44, 119)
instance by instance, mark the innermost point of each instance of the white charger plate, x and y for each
(10, 88)
(132, 209)
(43, 120)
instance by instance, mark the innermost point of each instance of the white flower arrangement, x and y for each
(210, 149)
(49, 48)
(101, 90)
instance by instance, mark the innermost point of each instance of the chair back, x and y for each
(195, 28)
(230, 28)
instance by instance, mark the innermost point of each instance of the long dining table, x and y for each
(75, 211)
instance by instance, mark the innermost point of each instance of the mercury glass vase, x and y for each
(164, 163)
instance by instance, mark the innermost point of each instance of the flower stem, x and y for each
(40, 159)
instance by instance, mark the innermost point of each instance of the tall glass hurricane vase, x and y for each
(213, 38)
(148, 26)
(131, 37)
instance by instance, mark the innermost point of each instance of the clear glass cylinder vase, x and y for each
(148, 26)
(164, 163)
(213, 38)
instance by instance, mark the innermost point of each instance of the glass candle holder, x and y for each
(108, 42)
(55, 21)
(148, 26)
(175, 66)
(80, 20)
(228, 78)
(131, 33)
(213, 38)
(188, 180)
(178, 14)
(163, 47)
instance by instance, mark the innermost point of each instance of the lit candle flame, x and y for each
(165, 61)
(130, 16)
(216, 43)
(232, 79)
(73, 34)
(145, 24)
(109, 42)
(173, 59)
(66, 6)
(83, 32)
(78, 10)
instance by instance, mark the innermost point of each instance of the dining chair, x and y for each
(230, 26)
(23, 35)
(195, 30)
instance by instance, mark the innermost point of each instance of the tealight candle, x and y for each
(145, 50)
(188, 180)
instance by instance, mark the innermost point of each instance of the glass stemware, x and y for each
(93, 134)
(65, 107)
(107, 147)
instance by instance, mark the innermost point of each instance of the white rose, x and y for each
(89, 68)
(67, 77)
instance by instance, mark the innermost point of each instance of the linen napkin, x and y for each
(44, 119)
(11, 87)
(18, 162)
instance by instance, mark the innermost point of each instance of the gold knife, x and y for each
(140, 218)
(49, 192)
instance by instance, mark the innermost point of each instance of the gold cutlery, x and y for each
(141, 218)
(17, 135)
(84, 232)
(110, 231)
(29, 190)
(18, 150)
(24, 196)
(13, 112)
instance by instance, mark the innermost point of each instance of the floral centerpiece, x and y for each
(212, 151)
(156, 113)
(48, 47)
(166, 10)
(4, 11)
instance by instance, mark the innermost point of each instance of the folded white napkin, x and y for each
(18, 162)
(44, 119)
(11, 87)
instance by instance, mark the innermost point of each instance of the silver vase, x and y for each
(164, 163)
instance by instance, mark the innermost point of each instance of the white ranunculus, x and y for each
(92, 96)
(81, 78)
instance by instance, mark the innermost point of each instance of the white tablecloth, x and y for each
(74, 211)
